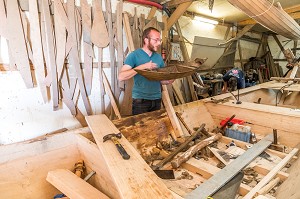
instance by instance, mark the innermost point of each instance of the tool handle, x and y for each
(122, 151)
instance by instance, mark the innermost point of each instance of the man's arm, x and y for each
(224, 90)
(128, 72)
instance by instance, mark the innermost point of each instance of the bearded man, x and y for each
(146, 94)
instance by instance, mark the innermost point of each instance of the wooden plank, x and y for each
(99, 33)
(119, 47)
(73, 186)
(25, 25)
(89, 150)
(3, 21)
(285, 79)
(177, 14)
(126, 106)
(177, 130)
(186, 59)
(17, 43)
(136, 31)
(212, 185)
(74, 56)
(152, 13)
(132, 178)
(113, 69)
(271, 174)
(51, 63)
(60, 35)
(128, 34)
(264, 190)
(87, 44)
(111, 96)
(102, 91)
(207, 170)
(261, 169)
(36, 42)
(281, 86)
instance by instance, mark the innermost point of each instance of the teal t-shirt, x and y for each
(144, 88)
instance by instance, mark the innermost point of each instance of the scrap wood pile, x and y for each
(190, 162)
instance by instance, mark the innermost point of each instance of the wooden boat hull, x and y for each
(269, 16)
(24, 166)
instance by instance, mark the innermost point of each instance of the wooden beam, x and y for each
(285, 79)
(152, 13)
(207, 171)
(111, 46)
(38, 57)
(51, 62)
(212, 185)
(178, 13)
(271, 174)
(17, 44)
(132, 178)
(177, 130)
(111, 96)
(295, 8)
(74, 56)
(72, 185)
(278, 43)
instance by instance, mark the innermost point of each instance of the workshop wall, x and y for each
(24, 115)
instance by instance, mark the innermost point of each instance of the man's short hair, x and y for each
(232, 84)
(147, 31)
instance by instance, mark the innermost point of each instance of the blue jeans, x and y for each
(143, 105)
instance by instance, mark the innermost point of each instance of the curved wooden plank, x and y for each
(37, 49)
(99, 33)
(17, 43)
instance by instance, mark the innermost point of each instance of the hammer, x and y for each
(114, 137)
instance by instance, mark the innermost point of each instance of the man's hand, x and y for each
(148, 66)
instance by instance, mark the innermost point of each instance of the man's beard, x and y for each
(151, 47)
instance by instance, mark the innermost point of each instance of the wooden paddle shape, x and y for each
(99, 34)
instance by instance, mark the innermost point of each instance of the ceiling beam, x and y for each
(177, 14)
(293, 11)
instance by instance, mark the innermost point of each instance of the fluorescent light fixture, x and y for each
(205, 20)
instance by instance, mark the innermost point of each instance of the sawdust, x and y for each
(290, 187)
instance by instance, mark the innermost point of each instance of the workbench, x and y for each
(216, 85)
